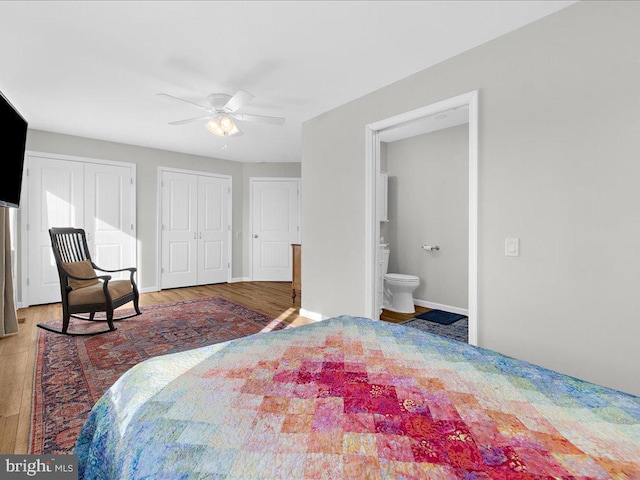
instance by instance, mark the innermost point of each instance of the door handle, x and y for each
(195, 236)
(255, 236)
(200, 235)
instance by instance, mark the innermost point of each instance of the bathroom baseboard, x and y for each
(316, 317)
(440, 306)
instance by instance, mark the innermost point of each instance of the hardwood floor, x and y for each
(17, 352)
(395, 317)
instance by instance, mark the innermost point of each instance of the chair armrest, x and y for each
(106, 278)
(129, 269)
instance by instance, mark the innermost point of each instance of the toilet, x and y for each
(397, 288)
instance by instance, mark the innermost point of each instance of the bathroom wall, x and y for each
(429, 204)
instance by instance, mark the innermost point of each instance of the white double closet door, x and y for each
(196, 229)
(67, 193)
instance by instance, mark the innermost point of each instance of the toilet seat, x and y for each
(400, 278)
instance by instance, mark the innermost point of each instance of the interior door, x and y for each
(213, 229)
(275, 226)
(56, 199)
(109, 216)
(179, 229)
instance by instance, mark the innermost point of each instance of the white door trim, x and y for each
(229, 179)
(252, 180)
(74, 158)
(372, 167)
(22, 275)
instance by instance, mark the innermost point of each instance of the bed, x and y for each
(355, 398)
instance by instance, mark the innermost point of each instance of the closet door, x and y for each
(213, 229)
(179, 229)
(109, 216)
(56, 199)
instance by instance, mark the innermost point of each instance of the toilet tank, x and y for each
(384, 255)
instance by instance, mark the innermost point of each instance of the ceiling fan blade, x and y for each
(238, 100)
(247, 117)
(190, 120)
(176, 99)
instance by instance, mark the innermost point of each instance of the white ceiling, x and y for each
(93, 68)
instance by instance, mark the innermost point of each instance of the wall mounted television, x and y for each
(14, 137)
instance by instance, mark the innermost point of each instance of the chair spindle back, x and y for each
(69, 245)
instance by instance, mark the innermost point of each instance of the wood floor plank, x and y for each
(395, 317)
(8, 429)
(24, 418)
(11, 380)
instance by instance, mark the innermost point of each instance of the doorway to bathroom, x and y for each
(425, 162)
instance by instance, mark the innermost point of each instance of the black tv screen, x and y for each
(14, 137)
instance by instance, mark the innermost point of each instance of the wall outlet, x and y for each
(238, 234)
(512, 247)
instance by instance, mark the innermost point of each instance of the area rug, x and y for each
(441, 317)
(457, 331)
(72, 373)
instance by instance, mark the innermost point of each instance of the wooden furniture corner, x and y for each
(296, 262)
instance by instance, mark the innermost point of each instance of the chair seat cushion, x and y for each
(81, 269)
(95, 293)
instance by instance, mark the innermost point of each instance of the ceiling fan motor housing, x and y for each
(218, 100)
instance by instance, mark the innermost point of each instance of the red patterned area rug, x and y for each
(72, 373)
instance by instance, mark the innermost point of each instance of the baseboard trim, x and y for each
(239, 279)
(315, 316)
(148, 289)
(440, 306)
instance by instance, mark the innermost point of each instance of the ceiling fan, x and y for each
(222, 113)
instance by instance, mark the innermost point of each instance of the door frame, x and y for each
(252, 181)
(22, 275)
(229, 179)
(372, 226)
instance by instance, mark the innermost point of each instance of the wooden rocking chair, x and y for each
(81, 289)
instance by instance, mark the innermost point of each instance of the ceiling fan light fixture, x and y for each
(226, 124)
(222, 126)
(213, 126)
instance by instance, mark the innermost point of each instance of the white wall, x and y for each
(147, 161)
(429, 204)
(558, 168)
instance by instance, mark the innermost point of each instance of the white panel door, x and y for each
(213, 229)
(275, 226)
(109, 216)
(179, 229)
(56, 199)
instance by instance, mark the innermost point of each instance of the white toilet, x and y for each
(398, 288)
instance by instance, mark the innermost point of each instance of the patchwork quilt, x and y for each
(356, 398)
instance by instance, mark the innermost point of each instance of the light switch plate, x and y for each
(512, 247)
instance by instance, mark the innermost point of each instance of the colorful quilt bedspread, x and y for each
(354, 398)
